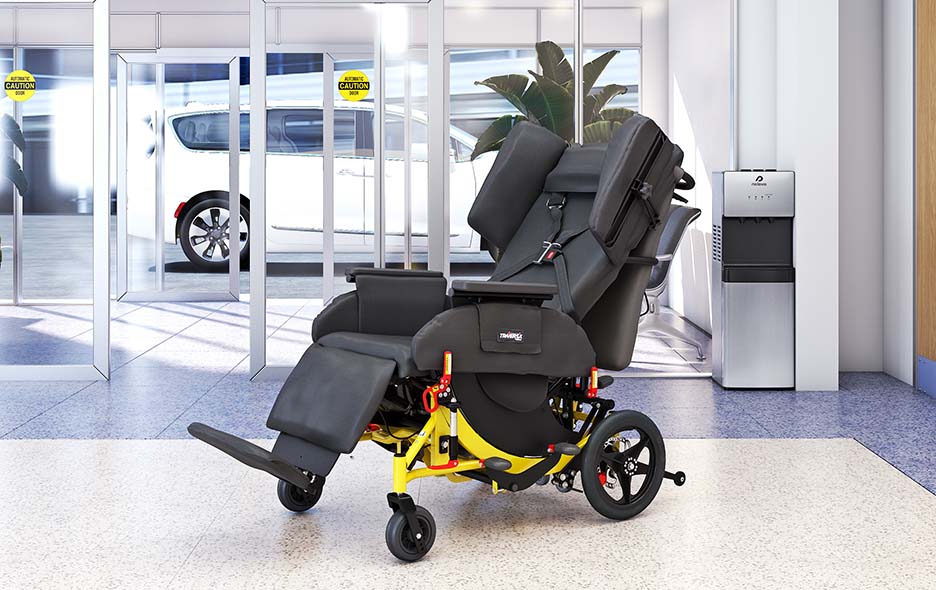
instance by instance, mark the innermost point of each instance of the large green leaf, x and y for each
(554, 63)
(619, 114)
(14, 173)
(597, 101)
(594, 68)
(599, 131)
(550, 105)
(12, 131)
(494, 135)
(511, 87)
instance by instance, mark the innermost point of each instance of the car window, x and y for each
(395, 139)
(298, 131)
(396, 144)
(302, 132)
(209, 131)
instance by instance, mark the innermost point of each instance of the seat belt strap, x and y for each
(555, 204)
(562, 283)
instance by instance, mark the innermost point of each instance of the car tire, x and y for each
(202, 235)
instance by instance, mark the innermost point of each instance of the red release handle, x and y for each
(430, 397)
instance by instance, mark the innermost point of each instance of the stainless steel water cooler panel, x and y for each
(757, 335)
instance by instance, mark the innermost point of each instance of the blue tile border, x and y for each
(926, 375)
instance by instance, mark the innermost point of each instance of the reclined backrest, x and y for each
(600, 202)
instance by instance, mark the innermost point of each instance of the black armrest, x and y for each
(643, 260)
(351, 274)
(476, 291)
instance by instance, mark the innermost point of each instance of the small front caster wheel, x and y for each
(407, 544)
(679, 478)
(297, 499)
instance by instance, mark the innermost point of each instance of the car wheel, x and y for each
(205, 235)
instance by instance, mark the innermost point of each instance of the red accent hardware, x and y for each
(449, 465)
(551, 449)
(178, 210)
(551, 255)
(430, 396)
(593, 383)
(372, 427)
(602, 478)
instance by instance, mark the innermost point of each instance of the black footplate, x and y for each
(250, 454)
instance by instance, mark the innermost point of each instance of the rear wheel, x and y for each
(205, 234)
(623, 464)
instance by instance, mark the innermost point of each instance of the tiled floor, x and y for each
(183, 362)
(839, 484)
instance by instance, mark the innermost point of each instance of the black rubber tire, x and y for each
(594, 489)
(400, 539)
(185, 228)
(296, 499)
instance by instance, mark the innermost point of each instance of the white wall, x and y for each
(898, 206)
(803, 71)
(861, 186)
(757, 93)
(808, 142)
(699, 122)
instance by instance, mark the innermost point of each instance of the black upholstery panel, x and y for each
(500, 288)
(398, 304)
(341, 315)
(640, 157)
(566, 351)
(524, 432)
(578, 170)
(612, 323)
(395, 348)
(515, 180)
(330, 397)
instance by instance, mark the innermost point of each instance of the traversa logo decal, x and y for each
(510, 336)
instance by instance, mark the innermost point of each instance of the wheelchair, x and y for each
(496, 381)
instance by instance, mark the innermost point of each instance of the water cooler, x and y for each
(752, 279)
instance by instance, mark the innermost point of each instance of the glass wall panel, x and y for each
(196, 171)
(6, 192)
(406, 139)
(295, 198)
(57, 239)
(504, 39)
(51, 324)
(142, 114)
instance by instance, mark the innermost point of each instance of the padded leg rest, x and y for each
(250, 454)
(330, 397)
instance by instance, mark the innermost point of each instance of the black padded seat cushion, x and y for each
(398, 349)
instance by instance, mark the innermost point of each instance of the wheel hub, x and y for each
(630, 466)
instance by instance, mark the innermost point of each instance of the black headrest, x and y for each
(515, 181)
(578, 170)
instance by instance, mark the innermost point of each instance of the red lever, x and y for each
(430, 397)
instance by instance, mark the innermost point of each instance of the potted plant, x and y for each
(548, 99)
(12, 171)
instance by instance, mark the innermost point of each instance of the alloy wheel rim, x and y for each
(210, 234)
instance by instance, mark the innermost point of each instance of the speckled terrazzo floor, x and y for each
(176, 514)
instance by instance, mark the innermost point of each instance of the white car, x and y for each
(196, 180)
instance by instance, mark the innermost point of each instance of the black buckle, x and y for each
(551, 203)
(550, 251)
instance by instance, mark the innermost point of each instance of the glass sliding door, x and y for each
(297, 139)
(344, 173)
(177, 237)
(55, 209)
